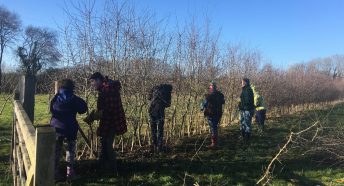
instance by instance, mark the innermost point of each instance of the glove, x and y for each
(238, 103)
(94, 115)
(203, 105)
(88, 119)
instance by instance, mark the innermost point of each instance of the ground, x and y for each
(191, 162)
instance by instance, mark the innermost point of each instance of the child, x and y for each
(64, 107)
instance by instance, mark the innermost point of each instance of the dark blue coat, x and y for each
(64, 107)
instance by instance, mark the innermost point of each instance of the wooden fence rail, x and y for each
(33, 149)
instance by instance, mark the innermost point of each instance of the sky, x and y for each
(285, 31)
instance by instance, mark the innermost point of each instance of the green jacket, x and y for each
(258, 99)
(246, 99)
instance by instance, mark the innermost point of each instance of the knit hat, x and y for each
(97, 75)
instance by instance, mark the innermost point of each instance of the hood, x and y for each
(63, 100)
(64, 96)
(116, 84)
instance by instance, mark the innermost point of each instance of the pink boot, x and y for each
(71, 174)
(213, 141)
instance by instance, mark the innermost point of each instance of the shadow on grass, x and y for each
(183, 163)
(189, 161)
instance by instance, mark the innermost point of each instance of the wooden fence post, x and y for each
(44, 156)
(27, 86)
(13, 159)
(56, 87)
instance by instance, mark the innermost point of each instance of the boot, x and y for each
(243, 134)
(248, 136)
(160, 148)
(247, 140)
(71, 174)
(213, 141)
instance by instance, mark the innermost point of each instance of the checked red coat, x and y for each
(110, 105)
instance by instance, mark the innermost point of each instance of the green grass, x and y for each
(190, 161)
(5, 136)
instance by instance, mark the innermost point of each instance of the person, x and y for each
(160, 99)
(111, 116)
(212, 108)
(64, 107)
(246, 107)
(260, 109)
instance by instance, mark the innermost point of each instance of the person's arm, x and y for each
(204, 103)
(81, 106)
(150, 95)
(256, 100)
(250, 98)
(52, 110)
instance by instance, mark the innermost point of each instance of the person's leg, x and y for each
(160, 123)
(103, 149)
(70, 158)
(247, 125)
(248, 121)
(213, 130)
(58, 149)
(242, 124)
(263, 118)
(111, 153)
(259, 119)
(153, 122)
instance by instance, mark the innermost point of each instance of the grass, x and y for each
(190, 162)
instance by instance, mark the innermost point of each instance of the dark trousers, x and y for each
(260, 118)
(107, 153)
(213, 124)
(157, 129)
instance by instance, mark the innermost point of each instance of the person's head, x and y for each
(96, 80)
(67, 84)
(212, 86)
(245, 82)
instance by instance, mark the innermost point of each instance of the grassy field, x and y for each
(191, 162)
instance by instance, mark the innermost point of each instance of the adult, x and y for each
(111, 116)
(212, 108)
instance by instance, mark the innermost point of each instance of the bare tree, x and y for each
(138, 49)
(39, 49)
(9, 28)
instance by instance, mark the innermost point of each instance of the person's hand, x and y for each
(97, 114)
(93, 115)
(88, 119)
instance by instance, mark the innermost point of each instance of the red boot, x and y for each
(213, 141)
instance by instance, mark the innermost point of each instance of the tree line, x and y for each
(142, 50)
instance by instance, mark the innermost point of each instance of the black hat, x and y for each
(67, 84)
(246, 80)
(97, 75)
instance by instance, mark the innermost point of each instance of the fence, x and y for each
(33, 148)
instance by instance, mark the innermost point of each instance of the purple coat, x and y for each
(64, 107)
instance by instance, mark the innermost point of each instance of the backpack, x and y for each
(214, 104)
(259, 101)
(162, 93)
